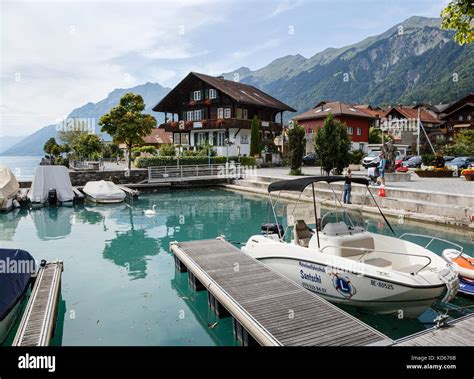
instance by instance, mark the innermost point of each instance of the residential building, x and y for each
(459, 116)
(356, 120)
(204, 109)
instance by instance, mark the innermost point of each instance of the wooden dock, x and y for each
(458, 332)
(39, 318)
(268, 309)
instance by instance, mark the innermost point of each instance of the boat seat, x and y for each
(410, 269)
(302, 233)
(379, 262)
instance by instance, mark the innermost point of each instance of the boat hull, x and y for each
(369, 293)
(7, 323)
(104, 201)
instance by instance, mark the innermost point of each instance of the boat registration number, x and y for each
(377, 283)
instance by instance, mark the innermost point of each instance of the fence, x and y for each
(167, 174)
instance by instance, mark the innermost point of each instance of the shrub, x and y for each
(356, 156)
(145, 162)
(428, 159)
(148, 149)
(167, 150)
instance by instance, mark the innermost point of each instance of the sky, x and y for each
(59, 55)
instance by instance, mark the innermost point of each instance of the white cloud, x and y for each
(285, 6)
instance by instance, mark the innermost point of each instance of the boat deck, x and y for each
(39, 318)
(271, 308)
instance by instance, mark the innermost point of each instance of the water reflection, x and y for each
(131, 249)
(9, 223)
(53, 222)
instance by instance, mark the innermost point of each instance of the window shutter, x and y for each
(206, 93)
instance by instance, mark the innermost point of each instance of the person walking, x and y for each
(382, 165)
(347, 187)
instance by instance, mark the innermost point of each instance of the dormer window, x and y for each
(212, 93)
(197, 95)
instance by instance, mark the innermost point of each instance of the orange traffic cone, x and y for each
(381, 191)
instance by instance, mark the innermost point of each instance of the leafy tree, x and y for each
(375, 135)
(296, 144)
(332, 145)
(463, 144)
(167, 150)
(126, 123)
(50, 145)
(110, 150)
(148, 149)
(87, 145)
(458, 15)
(255, 147)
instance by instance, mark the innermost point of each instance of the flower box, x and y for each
(436, 173)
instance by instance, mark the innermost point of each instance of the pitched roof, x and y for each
(409, 112)
(157, 136)
(457, 109)
(337, 108)
(242, 93)
(458, 103)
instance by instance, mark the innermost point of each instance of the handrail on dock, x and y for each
(39, 318)
(157, 174)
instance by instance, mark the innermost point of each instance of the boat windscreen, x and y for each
(352, 218)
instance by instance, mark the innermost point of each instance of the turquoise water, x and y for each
(22, 167)
(119, 284)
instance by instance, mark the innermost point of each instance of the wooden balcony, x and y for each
(225, 123)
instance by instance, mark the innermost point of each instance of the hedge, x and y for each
(144, 162)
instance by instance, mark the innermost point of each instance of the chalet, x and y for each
(403, 123)
(459, 116)
(357, 121)
(206, 109)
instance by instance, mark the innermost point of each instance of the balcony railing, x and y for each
(223, 123)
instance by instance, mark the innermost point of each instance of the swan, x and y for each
(151, 212)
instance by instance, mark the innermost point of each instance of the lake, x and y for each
(22, 167)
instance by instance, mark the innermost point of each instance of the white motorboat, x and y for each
(8, 189)
(344, 263)
(16, 270)
(52, 185)
(462, 263)
(104, 192)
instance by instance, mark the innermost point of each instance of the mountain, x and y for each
(152, 93)
(411, 62)
(8, 141)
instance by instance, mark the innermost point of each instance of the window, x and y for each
(189, 115)
(350, 130)
(212, 94)
(460, 118)
(245, 114)
(220, 138)
(311, 131)
(197, 95)
(227, 113)
(177, 139)
(239, 113)
(185, 139)
(359, 131)
(468, 117)
(220, 112)
(197, 115)
(201, 138)
(244, 139)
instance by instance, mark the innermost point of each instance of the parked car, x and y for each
(461, 162)
(371, 160)
(448, 158)
(413, 162)
(309, 159)
(399, 161)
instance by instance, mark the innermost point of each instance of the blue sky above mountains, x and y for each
(59, 55)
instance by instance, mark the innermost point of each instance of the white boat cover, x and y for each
(103, 190)
(8, 184)
(49, 177)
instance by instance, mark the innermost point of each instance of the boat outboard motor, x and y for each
(270, 228)
(52, 196)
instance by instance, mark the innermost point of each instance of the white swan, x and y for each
(151, 212)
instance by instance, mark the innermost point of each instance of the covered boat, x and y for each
(16, 270)
(103, 192)
(8, 188)
(343, 262)
(51, 184)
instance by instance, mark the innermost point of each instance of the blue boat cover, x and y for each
(466, 286)
(16, 269)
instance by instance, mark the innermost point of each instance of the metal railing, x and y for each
(184, 173)
(366, 251)
(431, 238)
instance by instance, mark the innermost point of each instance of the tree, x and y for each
(50, 145)
(332, 145)
(458, 15)
(463, 144)
(255, 147)
(87, 146)
(70, 136)
(167, 150)
(296, 144)
(126, 123)
(375, 135)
